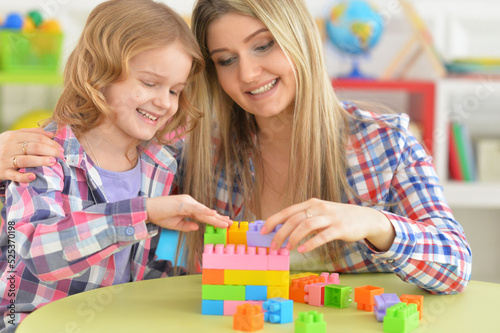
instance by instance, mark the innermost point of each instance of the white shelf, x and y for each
(472, 194)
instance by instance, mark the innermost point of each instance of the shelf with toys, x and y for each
(30, 52)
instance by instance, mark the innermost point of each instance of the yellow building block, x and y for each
(237, 233)
(300, 275)
(278, 278)
(241, 277)
(278, 291)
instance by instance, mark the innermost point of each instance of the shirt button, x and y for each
(389, 261)
(129, 231)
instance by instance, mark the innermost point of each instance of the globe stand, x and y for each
(356, 73)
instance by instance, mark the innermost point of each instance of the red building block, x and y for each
(416, 299)
(364, 296)
(234, 257)
(297, 292)
(248, 318)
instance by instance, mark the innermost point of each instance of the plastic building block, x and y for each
(315, 293)
(256, 278)
(231, 306)
(382, 303)
(310, 322)
(254, 238)
(401, 318)
(215, 235)
(278, 260)
(212, 276)
(248, 318)
(223, 293)
(211, 307)
(297, 291)
(234, 257)
(338, 296)
(417, 299)
(301, 275)
(237, 233)
(278, 291)
(256, 293)
(364, 296)
(277, 278)
(278, 310)
(331, 278)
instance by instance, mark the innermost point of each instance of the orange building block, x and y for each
(212, 276)
(237, 233)
(297, 292)
(365, 297)
(417, 299)
(248, 318)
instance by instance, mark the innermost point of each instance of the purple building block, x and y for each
(382, 303)
(254, 238)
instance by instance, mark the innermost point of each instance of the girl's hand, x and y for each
(30, 148)
(171, 212)
(327, 221)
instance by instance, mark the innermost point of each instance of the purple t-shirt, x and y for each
(121, 186)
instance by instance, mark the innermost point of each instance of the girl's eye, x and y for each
(148, 84)
(175, 93)
(265, 47)
(226, 62)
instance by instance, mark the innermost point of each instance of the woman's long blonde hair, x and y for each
(114, 33)
(318, 167)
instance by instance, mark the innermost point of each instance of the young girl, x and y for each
(92, 218)
(354, 190)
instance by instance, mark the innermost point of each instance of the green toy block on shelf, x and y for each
(215, 235)
(337, 296)
(401, 318)
(310, 322)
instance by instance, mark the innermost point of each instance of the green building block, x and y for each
(215, 235)
(310, 322)
(223, 292)
(401, 318)
(337, 296)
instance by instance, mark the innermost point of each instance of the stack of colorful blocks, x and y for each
(237, 271)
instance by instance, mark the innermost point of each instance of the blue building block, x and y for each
(209, 307)
(278, 310)
(255, 293)
(254, 238)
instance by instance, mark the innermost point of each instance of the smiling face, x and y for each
(252, 69)
(148, 97)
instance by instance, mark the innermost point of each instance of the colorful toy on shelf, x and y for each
(36, 17)
(31, 119)
(248, 318)
(382, 303)
(401, 318)
(310, 322)
(51, 26)
(364, 296)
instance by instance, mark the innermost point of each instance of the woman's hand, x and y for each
(26, 148)
(327, 221)
(172, 211)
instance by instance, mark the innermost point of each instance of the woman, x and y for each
(355, 190)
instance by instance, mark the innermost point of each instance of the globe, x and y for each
(354, 27)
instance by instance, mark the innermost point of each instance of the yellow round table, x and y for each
(174, 305)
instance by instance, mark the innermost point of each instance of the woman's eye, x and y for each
(226, 62)
(265, 47)
(173, 92)
(148, 84)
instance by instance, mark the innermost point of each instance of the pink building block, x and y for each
(254, 238)
(230, 306)
(332, 278)
(234, 257)
(278, 260)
